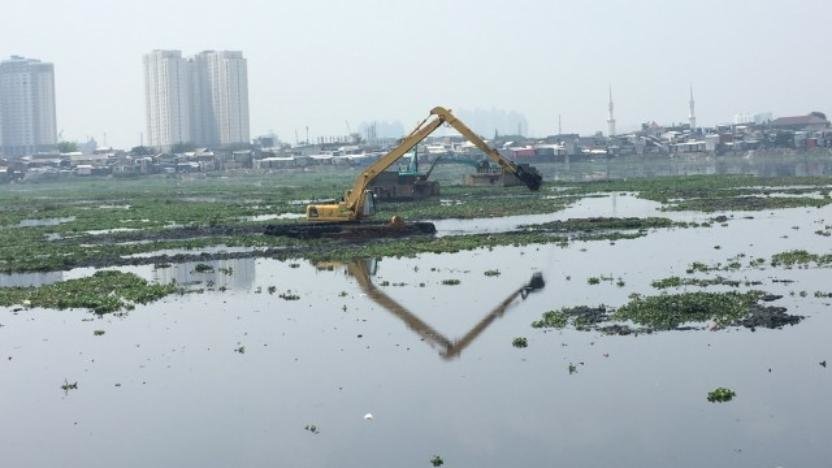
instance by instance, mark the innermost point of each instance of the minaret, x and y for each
(692, 115)
(611, 121)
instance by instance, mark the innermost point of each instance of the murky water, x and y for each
(44, 221)
(433, 364)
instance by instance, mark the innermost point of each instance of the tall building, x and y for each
(27, 106)
(692, 114)
(611, 120)
(167, 100)
(222, 89)
(202, 100)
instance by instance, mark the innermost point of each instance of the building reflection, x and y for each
(236, 273)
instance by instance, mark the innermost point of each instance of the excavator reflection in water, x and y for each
(363, 269)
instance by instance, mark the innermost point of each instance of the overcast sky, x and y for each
(322, 63)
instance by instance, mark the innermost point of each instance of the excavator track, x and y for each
(349, 230)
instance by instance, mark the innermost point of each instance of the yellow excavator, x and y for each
(358, 203)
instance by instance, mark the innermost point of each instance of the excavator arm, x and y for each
(354, 205)
(526, 174)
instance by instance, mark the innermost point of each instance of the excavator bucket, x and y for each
(529, 176)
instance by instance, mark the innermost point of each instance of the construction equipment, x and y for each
(363, 269)
(358, 203)
(406, 184)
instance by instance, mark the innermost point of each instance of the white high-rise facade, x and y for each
(204, 102)
(167, 100)
(692, 114)
(611, 119)
(223, 92)
(27, 107)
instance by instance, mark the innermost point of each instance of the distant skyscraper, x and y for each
(27, 106)
(220, 87)
(692, 114)
(611, 120)
(167, 100)
(202, 100)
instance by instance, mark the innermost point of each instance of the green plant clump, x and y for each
(668, 311)
(721, 394)
(520, 342)
(451, 282)
(552, 319)
(104, 292)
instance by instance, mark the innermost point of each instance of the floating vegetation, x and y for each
(312, 428)
(240, 350)
(98, 332)
(104, 292)
(520, 342)
(791, 258)
(492, 273)
(228, 271)
(66, 387)
(437, 461)
(593, 280)
(675, 282)
(203, 268)
(721, 395)
(673, 312)
(603, 224)
(552, 319)
(289, 296)
(451, 282)
(745, 203)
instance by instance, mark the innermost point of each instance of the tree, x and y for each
(141, 151)
(67, 146)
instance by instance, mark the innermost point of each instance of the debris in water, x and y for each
(437, 461)
(520, 342)
(241, 350)
(312, 428)
(572, 369)
(98, 332)
(66, 387)
(451, 282)
(492, 273)
(822, 363)
(368, 417)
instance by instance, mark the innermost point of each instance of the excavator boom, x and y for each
(357, 202)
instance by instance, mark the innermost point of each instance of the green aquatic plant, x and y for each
(451, 282)
(669, 311)
(520, 342)
(721, 394)
(437, 461)
(552, 319)
(203, 268)
(103, 292)
(494, 272)
(593, 280)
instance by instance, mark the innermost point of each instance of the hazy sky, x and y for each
(321, 63)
